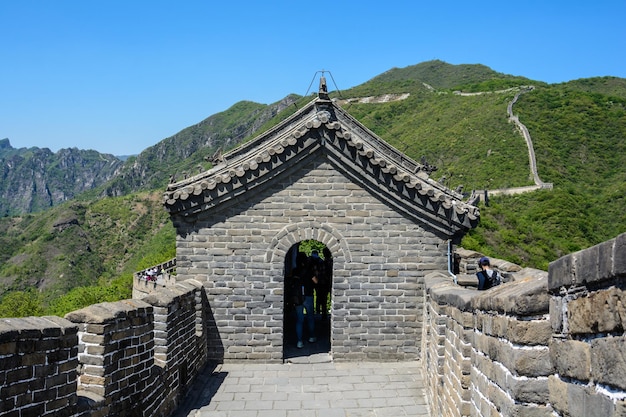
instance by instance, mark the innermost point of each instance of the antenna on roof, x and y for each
(323, 91)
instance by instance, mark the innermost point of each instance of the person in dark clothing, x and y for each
(324, 268)
(487, 277)
(305, 310)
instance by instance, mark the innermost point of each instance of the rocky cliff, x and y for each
(34, 179)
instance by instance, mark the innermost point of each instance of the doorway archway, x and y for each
(307, 315)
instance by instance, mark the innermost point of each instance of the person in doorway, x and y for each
(487, 277)
(323, 272)
(304, 311)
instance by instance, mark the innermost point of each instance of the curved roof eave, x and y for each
(323, 126)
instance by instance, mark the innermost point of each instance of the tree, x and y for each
(21, 304)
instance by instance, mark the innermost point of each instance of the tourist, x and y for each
(487, 277)
(324, 274)
(305, 311)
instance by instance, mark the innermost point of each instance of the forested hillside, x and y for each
(84, 250)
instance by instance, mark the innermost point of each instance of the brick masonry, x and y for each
(380, 258)
(38, 361)
(540, 345)
(128, 358)
(588, 315)
(508, 351)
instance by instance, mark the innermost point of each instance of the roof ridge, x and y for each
(322, 125)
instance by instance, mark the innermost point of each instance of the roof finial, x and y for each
(323, 93)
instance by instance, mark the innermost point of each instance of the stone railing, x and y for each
(128, 358)
(542, 344)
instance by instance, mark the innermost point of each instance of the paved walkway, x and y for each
(311, 387)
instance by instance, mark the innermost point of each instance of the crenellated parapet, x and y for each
(126, 358)
(486, 352)
(38, 361)
(588, 315)
(542, 344)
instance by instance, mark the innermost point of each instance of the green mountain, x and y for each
(187, 152)
(455, 117)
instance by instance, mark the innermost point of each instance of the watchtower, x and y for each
(319, 175)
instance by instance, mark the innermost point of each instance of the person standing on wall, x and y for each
(324, 269)
(305, 311)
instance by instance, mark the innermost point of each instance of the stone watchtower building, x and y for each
(319, 175)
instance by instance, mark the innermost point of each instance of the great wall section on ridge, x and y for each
(532, 161)
(539, 184)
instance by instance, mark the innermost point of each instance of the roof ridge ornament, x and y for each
(426, 167)
(323, 91)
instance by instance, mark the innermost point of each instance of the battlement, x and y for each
(545, 344)
(542, 344)
(132, 357)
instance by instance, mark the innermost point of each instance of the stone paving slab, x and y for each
(355, 389)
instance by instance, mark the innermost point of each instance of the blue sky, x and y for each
(119, 76)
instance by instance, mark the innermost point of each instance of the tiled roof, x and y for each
(321, 127)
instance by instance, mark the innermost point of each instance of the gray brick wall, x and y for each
(38, 361)
(485, 355)
(380, 258)
(542, 344)
(588, 320)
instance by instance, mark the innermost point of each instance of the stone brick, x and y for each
(600, 312)
(523, 361)
(558, 395)
(588, 265)
(561, 273)
(571, 358)
(529, 410)
(619, 256)
(579, 400)
(8, 347)
(34, 410)
(556, 314)
(607, 259)
(528, 390)
(526, 296)
(529, 332)
(532, 362)
(608, 361)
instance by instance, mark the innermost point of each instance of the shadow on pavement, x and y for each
(202, 390)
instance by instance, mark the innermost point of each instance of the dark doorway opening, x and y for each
(308, 300)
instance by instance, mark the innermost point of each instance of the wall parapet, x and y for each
(486, 352)
(542, 344)
(126, 358)
(38, 360)
(588, 315)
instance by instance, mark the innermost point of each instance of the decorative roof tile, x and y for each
(323, 128)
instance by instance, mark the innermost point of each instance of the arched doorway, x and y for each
(308, 300)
